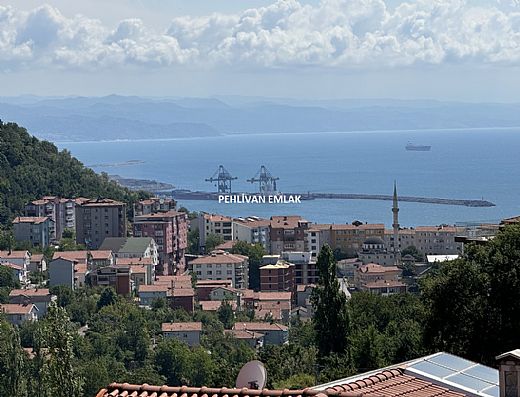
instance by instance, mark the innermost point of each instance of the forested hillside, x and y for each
(30, 168)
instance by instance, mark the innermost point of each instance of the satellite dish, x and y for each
(252, 375)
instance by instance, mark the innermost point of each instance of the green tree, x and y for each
(226, 315)
(54, 348)
(412, 250)
(11, 362)
(7, 279)
(108, 297)
(212, 240)
(331, 318)
(193, 241)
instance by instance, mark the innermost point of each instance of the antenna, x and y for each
(252, 375)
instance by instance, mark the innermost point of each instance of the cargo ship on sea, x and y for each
(417, 148)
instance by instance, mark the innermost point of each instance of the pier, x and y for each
(198, 195)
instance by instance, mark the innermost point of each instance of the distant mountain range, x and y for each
(131, 117)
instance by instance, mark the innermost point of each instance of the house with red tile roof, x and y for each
(188, 333)
(379, 279)
(40, 297)
(252, 338)
(221, 265)
(274, 333)
(17, 313)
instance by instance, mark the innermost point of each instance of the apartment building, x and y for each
(17, 314)
(188, 333)
(277, 277)
(61, 211)
(438, 240)
(221, 265)
(33, 230)
(288, 233)
(253, 230)
(377, 279)
(348, 239)
(154, 205)
(374, 251)
(212, 224)
(40, 297)
(305, 268)
(99, 219)
(170, 232)
(317, 236)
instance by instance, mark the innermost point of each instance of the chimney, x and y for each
(509, 373)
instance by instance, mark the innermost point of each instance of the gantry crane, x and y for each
(266, 181)
(223, 179)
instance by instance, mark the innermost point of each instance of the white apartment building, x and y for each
(221, 265)
(252, 230)
(213, 224)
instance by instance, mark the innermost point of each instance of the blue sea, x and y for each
(462, 164)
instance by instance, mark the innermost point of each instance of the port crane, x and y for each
(266, 181)
(223, 179)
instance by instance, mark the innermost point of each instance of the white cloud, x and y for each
(286, 34)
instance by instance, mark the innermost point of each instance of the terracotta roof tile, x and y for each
(176, 327)
(395, 383)
(14, 254)
(128, 390)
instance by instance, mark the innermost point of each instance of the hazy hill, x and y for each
(132, 117)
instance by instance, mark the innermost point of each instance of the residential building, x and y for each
(221, 265)
(149, 293)
(134, 247)
(207, 224)
(40, 297)
(33, 230)
(288, 233)
(182, 298)
(252, 338)
(252, 230)
(17, 314)
(188, 333)
(154, 205)
(141, 268)
(374, 251)
(305, 267)
(99, 219)
(22, 258)
(379, 279)
(278, 277)
(348, 239)
(62, 272)
(213, 306)
(317, 236)
(274, 306)
(437, 240)
(178, 297)
(93, 259)
(204, 287)
(117, 277)
(274, 334)
(19, 272)
(170, 232)
(303, 295)
(406, 238)
(37, 263)
(225, 294)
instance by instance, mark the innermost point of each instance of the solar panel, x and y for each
(433, 369)
(483, 372)
(468, 381)
(452, 362)
(445, 367)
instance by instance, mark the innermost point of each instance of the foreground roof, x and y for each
(128, 390)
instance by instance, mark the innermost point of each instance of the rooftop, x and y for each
(123, 245)
(219, 256)
(177, 327)
(30, 219)
(128, 390)
(375, 268)
(30, 292)
(13, 254)
(259, 326)
(14, 308)
(100, 203)
(133, 261)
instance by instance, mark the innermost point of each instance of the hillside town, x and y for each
(148, 258)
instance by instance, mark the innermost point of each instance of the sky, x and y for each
(464, 50)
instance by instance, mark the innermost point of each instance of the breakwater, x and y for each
(198, 195)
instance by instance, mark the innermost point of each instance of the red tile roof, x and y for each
(101, 203)
(395, 383)
(177, 327)
(259, 326)
(36, 257)
(133, 261)
(12, 266)
(14, 254)
(14, 308)
(375, 268)
(30, 292)
(30, 219)
(128, 390)
(213, 306)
